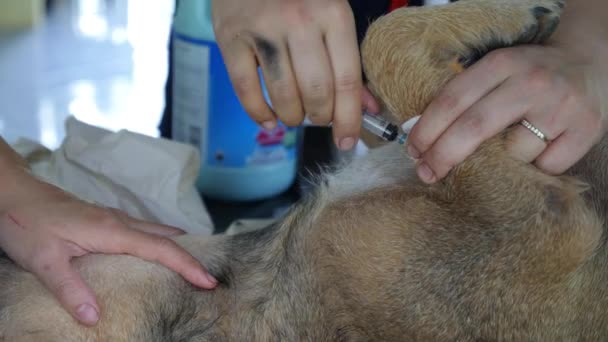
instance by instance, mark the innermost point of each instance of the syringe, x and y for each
(380, 127)
(386, 130)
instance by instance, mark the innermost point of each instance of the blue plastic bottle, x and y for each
(240, 161)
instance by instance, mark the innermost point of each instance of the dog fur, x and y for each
(497, 250)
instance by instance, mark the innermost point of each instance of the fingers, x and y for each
(145, 226)
(59, 277)
(241, 63)
(152, 228)
(570, 146)
(280, 79)
(369, 101)
(309, 56)
(342, 46)
(523, 145)
(562, 153)
(49, 260)
(457, 96)
(484, 119)
(313, 73)
(157, 249)
(107, 233)
(503, 88)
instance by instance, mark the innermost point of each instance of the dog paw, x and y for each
(545, 19)
(514, 23)
(410, 53)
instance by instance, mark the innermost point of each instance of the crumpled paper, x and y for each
(149, 178)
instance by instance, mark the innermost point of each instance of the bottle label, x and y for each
(208, 114)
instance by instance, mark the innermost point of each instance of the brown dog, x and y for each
(496, 251)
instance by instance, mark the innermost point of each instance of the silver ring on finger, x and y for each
(542, 136)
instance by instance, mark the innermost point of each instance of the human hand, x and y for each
(42, 228)
(309, 56)
(541, 84)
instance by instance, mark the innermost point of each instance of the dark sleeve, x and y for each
(365, 12)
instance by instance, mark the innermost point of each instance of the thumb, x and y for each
(59, 277)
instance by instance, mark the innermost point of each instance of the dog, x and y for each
(497, 250)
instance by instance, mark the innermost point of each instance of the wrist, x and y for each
(15, 177)
(12, 179)
(583, 31)
(11, 164)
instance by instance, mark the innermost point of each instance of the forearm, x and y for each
(11, 166)
(9, 159)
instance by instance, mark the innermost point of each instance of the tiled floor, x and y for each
(102, 61)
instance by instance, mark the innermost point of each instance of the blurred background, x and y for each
(103, 61)
(106, 63)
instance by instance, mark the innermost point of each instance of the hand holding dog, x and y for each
(549, 86)
(309, 56)
(42, 228)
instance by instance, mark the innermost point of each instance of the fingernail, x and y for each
(208, 278)
(270, 124)
(425, 173)
(413, 151)
(347, 143)
(87, 314)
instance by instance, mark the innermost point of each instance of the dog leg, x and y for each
(410, 54)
